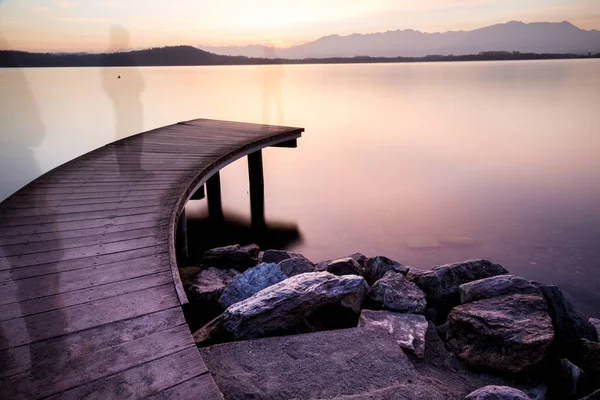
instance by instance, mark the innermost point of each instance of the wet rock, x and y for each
(349, 363)
(394, 292)
(596, 323)
(295, 266)
(360, 258)
(342, 266)
(234, 256)
(277, 256)
(569, 324)
(497, 393)
(376, 268)
(441, 283)
(250, 282)
(500, 285)
(408, 330)
(509, 334)
(284, 306)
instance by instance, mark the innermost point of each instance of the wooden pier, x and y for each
(90, 295)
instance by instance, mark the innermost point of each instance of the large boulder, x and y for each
(395, 292)
(277, 256)
(377, 267)
(408, 330)
(341, 266)
(596, 323)
(414, 274)
(569, 324)
(295, 266)
(250, 282)
(283, 306)
(499, 285)
(441, 283)
(341, 364)
(234, 256)
(360, 258)
(497, 393)
(208, 285)
(510, 334)
(586, 355)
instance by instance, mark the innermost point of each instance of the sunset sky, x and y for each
(83, 25)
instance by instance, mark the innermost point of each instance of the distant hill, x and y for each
(538, 37)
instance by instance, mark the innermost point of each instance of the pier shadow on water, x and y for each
(124, 87)
(32, 322)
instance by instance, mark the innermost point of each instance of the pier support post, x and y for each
(213, 194)
(257, 189)
(181, 240)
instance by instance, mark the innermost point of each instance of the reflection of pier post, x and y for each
(257, 189)
(213, 194)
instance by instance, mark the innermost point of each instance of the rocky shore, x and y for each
(273, 324)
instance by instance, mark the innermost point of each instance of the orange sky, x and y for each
(83, 25)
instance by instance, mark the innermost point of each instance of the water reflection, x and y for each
(26, 290)
(270, 78)
(124, 86)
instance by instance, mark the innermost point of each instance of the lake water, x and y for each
(424, 163)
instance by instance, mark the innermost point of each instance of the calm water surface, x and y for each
(424, 163)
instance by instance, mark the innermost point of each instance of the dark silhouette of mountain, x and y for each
(538, 37)
(187, 55)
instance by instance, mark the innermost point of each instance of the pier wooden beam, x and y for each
(181, 240)
(199, 194)
(290, 144)
(213, 194)
(257, 189)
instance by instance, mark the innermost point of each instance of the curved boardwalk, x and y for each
(90, 298)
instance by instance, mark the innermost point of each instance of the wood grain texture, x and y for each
(90, 294)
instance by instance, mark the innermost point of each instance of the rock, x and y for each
(499, 285)
(441, 283)
(250, 282)
(277, 256)
(414, 274)
(569, 324)
(568, 378)
(295, 266)
(284, 306)
(394, 292)
(509, 334)
(431, 314)
(342, 266)
(376, 267)
(234, 256)
(593, 396)
(343, 364)
(497, 393)
(596, 323)
(586, 355)
(442, 331)
(408, 330)
(188, 275)
(360, 258)
(208, 285)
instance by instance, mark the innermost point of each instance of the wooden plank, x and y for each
(18, 359)
(60, 376)
(143, 380)
(66, 320)
(200, 387)
(79, 263)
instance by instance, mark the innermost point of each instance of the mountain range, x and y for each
(538, 37)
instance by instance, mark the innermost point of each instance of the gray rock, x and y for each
(360, 258)
(349, 363)
(497, 393)
(596, 323)
(570, 374)
(342, 266)
(408, 330)
(284, 306)
(441, 283)
(277, 256)
(208, 285)
(295, 266)
(234, 256)
(376, 268)
(414, 274)
(500, 285)
(250, 282)
(586, 355)
(394, 292)
(509, 334)
(569, 324)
